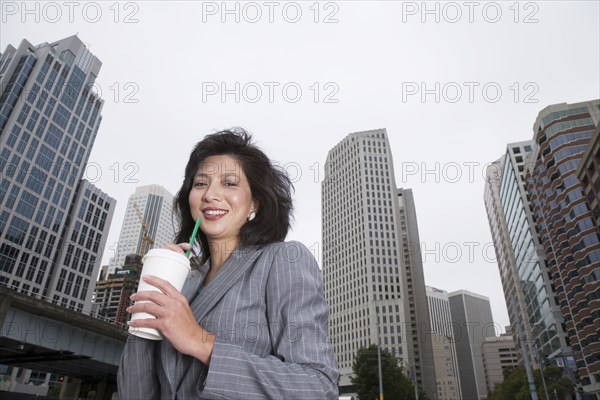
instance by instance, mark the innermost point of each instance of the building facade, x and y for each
(148, 223)
(113, 290)
(53, 223)
(499, 354)
(588, 173)
(570, 238)
(444, 350)
(505, 256)
(419, 341)
(367, 222)
(521, 260)
(472, 323)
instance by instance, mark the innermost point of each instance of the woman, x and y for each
(251, 322)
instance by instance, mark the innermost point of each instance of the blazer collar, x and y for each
(203, 299)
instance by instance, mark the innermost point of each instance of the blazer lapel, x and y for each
(193, 283)
(170, 356)
(240, 261)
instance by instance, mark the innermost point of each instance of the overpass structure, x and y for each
(42, 336)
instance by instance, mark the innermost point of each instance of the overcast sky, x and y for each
(453, 84)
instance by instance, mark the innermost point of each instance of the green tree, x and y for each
(366, 376)
(559, 386)
(515, 385)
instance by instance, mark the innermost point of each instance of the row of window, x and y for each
(13, 90)
(556, 115)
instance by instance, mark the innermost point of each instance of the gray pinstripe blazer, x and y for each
(267, 311)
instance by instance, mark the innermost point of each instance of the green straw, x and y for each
(193, 237)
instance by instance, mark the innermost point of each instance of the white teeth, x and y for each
(215, 212)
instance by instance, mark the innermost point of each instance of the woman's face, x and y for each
(221, 196)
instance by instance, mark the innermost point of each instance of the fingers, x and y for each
(161, 284)
(167, 310)
(156, 303)
(148, 307)
(150, 295)
(161, 297)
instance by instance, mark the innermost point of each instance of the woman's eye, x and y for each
(199, 184)
(230, 184)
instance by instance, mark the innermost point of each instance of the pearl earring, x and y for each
(251, 216)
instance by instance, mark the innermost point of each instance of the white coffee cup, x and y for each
(168, 265)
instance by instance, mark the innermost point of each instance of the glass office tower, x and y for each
(53, 223)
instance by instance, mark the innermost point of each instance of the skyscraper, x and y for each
(570, 238)
(505, 257)
(419, 340)
(444, 350)
(53, 223)
(471, 324)
(150, 208)
(522, 266)
(367, 226)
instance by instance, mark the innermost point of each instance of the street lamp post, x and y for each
(413, 372)
(542, 364)
(454, 365)
(571, 374)
(530, 381)
(379, 361)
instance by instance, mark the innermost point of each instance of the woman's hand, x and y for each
(174, 318)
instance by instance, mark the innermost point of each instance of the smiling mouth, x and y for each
(215, 212)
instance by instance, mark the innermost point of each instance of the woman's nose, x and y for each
(212, 193)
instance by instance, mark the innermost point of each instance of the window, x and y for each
(45, 158)
(53, 136)
(69, 284)
(8, 258)
(23, 114)
(61, 280)
(27, 205)
(61, 116)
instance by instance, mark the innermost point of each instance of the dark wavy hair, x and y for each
(270, 187)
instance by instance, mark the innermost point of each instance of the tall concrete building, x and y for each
(53, 223)
(570, 238)
(472, 323)
(499, 354)
(373, 283)
(419, 342)
(520, 258)
(151, 208)
(444, 350)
